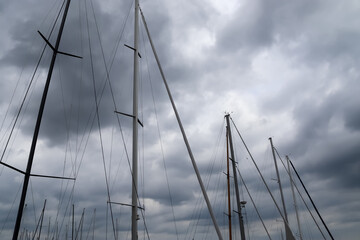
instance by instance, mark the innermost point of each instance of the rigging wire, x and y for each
(113, 98)
(67, 123)
(302, 196)
(10, 210)
(108, 80)
(91, 119)
(97, 110)
(266, 185)
(18, 81)
(11, 99)
(74, 170)
(92, 224)
(252, 200)
(26, 94)
(193, 162)
(199, 205)
(10, 102)
(212, 166)
(30, 83)
(32, 197)
(161, 146)
(221, 193)
(83, 141)
(68, 146)
(103, 88)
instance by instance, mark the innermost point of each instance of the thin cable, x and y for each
(300, 195)
(216, 226)
(32, 197)
(12, 205)
(108, 81)
(67, 119)
(11, 99)
(262, 178)
(196, 214)
(27, 91)
(161, 147)
(258, 213)
(112, 94)
(97, 115)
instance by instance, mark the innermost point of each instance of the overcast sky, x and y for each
(283, 69)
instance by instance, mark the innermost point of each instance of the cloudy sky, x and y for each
(283, 69)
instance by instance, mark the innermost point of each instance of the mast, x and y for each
(293, 194)
(134, 212)
(37, 126)
(241, 221)
(228, 183)
(287, 229)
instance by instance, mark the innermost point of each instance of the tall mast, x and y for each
(241, 221)
(294, 198)
(134, 212)
(37, 126)
(287, 229)
(228, 183)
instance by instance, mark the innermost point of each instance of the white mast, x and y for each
(134, 212)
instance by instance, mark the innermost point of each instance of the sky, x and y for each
(283, 69)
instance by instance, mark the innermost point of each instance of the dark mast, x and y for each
(38, 123)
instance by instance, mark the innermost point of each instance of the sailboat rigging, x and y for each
(238, 202)
(134, 206)
(27, 173)
(288, 231)
(137, 208)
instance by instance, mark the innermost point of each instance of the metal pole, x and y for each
(228, 183)
(37, 127)
(134, 212)
(266, 185)
(312, 202)
(278, 179)
(241, 221)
